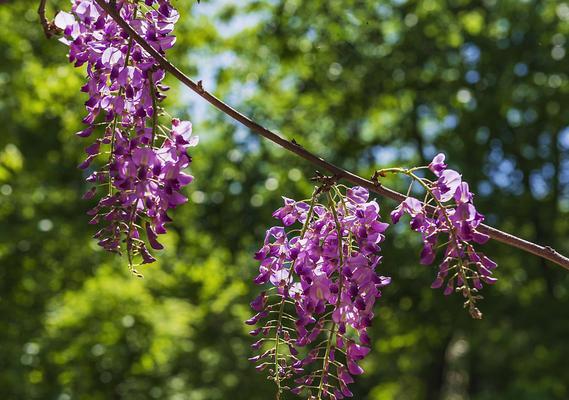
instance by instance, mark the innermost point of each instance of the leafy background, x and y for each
(366, 83)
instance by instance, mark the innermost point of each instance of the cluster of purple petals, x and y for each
(143, 168)
(148, 182)
(324, 278)
(456, 219)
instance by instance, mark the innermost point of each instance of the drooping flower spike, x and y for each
(322, 285)
(448, 212)
(144, 161)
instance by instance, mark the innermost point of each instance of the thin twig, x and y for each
(47, 26)
(154, 108)
(545, 252)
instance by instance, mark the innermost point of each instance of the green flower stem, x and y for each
(283, 301)
(326, 361)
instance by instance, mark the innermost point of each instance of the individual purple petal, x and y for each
(85, 132)
(447, 184)
(357, 352)
(152, 238)
(182, 129)
(489, 280)
(111, 56)
(260, 301)
(427, 255)
(63, 20)
(358, 194)
(354, 368)
(90, 193)
(449, 288)
(397, 214)
(463, 194)
(437, 166)
(87, 162)
(438, 282)
(146, 256)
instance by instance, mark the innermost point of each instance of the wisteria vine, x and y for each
(144, 161)
(322, 279)
(454, 217)
(319, 269)
(323, 286)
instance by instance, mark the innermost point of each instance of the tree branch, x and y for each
(47, 27)
(545, 252)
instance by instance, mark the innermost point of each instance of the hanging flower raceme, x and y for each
(322, 287)
(142, 173)
(449, 213)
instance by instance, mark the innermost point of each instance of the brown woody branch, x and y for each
(545, 252)
(47, 26)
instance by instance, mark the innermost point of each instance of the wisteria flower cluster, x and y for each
(448, 211)
(322, 287)
(143, 171)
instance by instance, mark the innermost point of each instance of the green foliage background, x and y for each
(365, 83)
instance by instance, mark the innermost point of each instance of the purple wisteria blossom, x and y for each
(144, 164)
(453, 217)
(323, 287)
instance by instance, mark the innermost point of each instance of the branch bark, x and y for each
(545, 252)
(47, 28)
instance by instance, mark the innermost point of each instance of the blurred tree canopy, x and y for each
(366, 83)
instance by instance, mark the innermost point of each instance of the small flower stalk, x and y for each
(321, 285)
(448, 219)
(143, 161)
